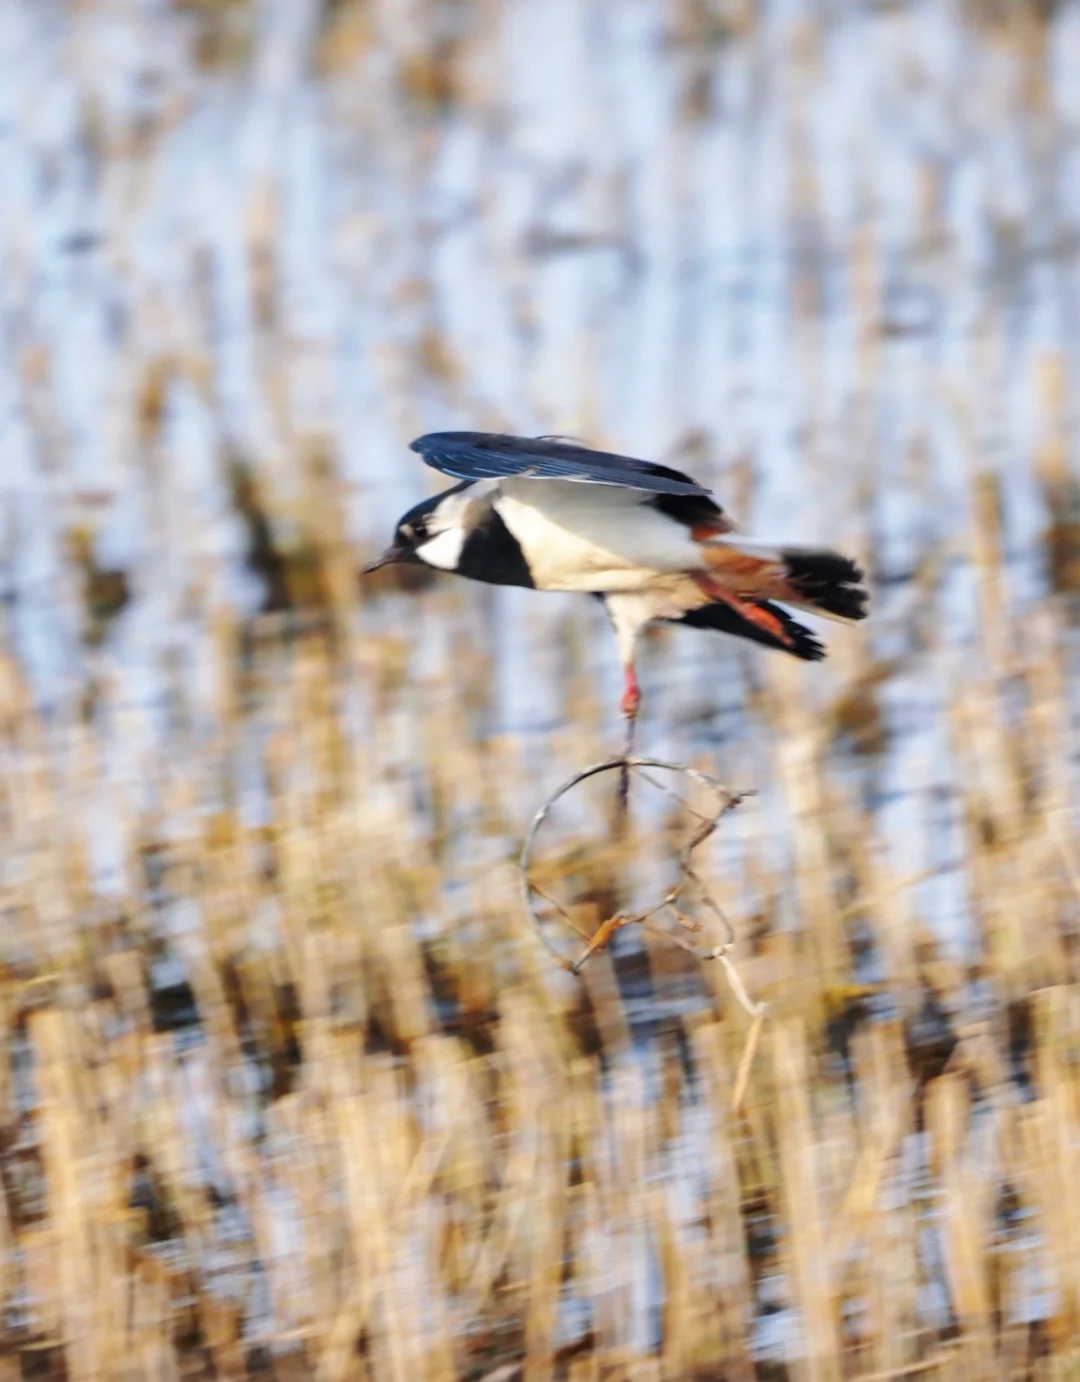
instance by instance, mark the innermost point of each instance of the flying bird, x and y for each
(649, 541)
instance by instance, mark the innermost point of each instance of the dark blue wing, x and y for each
(489, 455)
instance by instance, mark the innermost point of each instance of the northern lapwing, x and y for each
(649, 541)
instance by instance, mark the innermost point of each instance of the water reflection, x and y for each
(825, 258)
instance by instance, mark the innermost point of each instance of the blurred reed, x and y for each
(289, 1089)
(362, 1125)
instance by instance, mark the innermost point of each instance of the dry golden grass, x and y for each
(289, 1086)
(367, 1128)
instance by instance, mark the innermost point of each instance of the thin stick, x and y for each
(746, 1061)
(600, 939)
(623, 813)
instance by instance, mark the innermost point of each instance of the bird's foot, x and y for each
(631, 698)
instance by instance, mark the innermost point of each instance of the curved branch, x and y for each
(726, 800)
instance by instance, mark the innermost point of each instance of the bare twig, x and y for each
(725, 800)
(623, 815)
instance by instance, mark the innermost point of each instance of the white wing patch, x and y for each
(593, 538)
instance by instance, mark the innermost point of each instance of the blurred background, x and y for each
(289, 1087)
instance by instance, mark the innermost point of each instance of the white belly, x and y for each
(593, 537)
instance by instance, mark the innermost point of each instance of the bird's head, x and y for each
(432, 533)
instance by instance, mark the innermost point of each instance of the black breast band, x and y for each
(491, 553)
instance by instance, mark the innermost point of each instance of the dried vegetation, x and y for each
(288, 1087)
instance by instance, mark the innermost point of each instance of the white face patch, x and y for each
(444, 549)
(451, 522)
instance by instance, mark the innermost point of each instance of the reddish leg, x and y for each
(631, 700)
(629, 614)
(631, 697)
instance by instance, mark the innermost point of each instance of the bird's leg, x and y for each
(631, 700)
(628, 617)
(631, 696)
